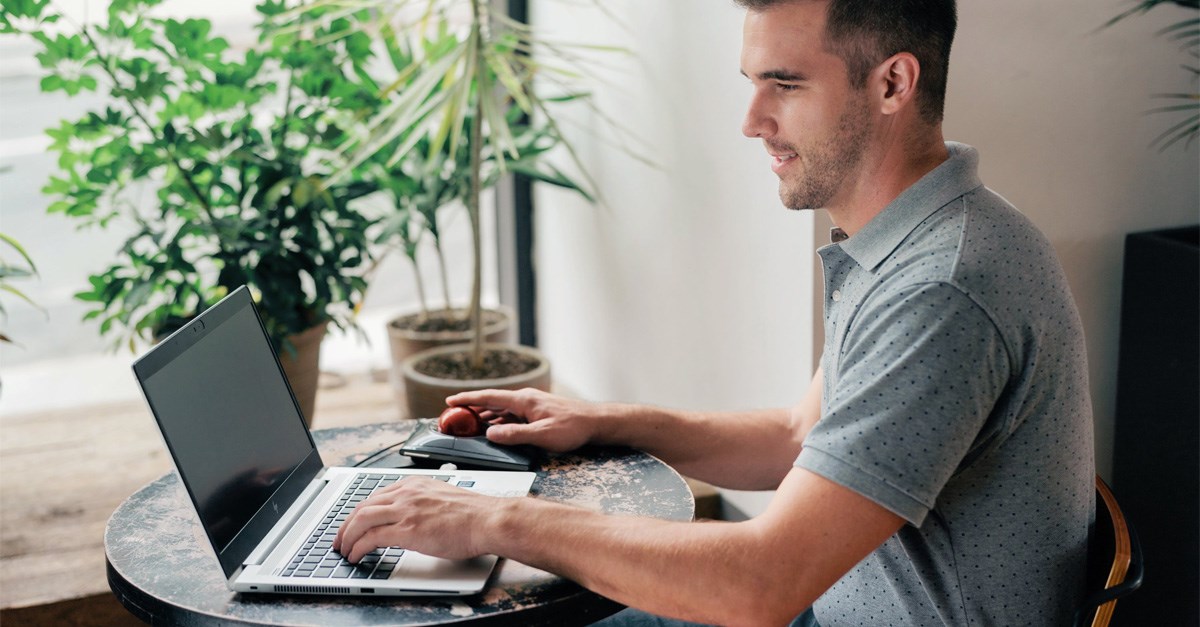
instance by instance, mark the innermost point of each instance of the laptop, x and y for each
(266, 501)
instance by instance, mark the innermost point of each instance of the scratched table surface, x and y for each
(162, 569)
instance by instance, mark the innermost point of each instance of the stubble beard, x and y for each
(827, 164)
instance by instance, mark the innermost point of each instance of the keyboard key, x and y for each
(316, 558)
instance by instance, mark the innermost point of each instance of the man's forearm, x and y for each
(751, 450)
(711, 572)
(763, 571)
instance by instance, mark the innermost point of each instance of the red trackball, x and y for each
(461, 422)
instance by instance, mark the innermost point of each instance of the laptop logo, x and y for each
(275, 506)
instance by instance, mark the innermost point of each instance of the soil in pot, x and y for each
(438, 322)
(497, 364)
(413, 333)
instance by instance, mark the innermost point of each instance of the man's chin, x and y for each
(796, 202)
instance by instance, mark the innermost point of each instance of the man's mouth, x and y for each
(781, 160)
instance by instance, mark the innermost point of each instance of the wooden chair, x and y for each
(1114, 559)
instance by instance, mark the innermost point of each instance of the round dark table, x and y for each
(160, 566)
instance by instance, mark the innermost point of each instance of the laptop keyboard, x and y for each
(317, 559)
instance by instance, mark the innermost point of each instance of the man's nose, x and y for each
(758, 123)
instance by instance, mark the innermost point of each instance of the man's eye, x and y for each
(786, 86)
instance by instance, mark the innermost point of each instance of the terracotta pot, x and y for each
(405, 343)
(302, 367)
(426, 395)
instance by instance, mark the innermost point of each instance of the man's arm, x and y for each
(750, 450)
(763, 571)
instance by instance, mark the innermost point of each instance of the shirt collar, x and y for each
(953, 178)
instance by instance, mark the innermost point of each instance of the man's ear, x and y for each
(895, 82)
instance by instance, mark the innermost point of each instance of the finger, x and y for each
(350, 533)
(496, 400)
(496, 418)
(343, 530)
(488, 414)
(511, 433)
(369, 541)
(373, 511)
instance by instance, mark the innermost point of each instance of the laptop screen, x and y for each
(226, 413)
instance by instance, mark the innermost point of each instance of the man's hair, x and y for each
(864, 33)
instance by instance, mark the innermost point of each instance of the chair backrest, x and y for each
(1115, 565)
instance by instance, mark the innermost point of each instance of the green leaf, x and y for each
(555, 177)
(29, 9)
(19, 294)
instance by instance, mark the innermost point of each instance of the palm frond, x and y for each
(1145, 5)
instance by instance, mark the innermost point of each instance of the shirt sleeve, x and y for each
(918, 375)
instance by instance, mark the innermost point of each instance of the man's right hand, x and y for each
(532, 417)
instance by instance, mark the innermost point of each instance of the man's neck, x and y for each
(884, 175)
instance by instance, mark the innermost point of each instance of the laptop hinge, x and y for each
(285, 524)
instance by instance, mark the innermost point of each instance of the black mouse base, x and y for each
(427, 443)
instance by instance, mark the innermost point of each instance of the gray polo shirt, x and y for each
(956, 396)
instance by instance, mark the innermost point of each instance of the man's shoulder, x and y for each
(980, 236)
(1002, 254)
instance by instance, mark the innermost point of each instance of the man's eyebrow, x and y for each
(778, 75)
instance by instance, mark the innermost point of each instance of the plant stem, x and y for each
(420, 291)
(476, 147)
(441, 259)
(285, 119)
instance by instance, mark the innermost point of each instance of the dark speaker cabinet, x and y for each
(1156, 450)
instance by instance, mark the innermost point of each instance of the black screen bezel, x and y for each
(238, 303)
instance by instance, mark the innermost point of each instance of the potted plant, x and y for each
(434, 186)
(219, 161)
(1185, 104)
(468, 103)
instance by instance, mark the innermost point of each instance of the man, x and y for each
(938, 471)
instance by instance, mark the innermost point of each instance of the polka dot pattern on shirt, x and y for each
(956, 396)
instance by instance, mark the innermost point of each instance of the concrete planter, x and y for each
(426, 395)
(406, 342)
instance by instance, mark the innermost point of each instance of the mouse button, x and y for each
(435, 440)
(478, 445)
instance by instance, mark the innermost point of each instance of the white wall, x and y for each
(693, 287)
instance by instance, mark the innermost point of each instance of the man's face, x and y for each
(813, 124)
